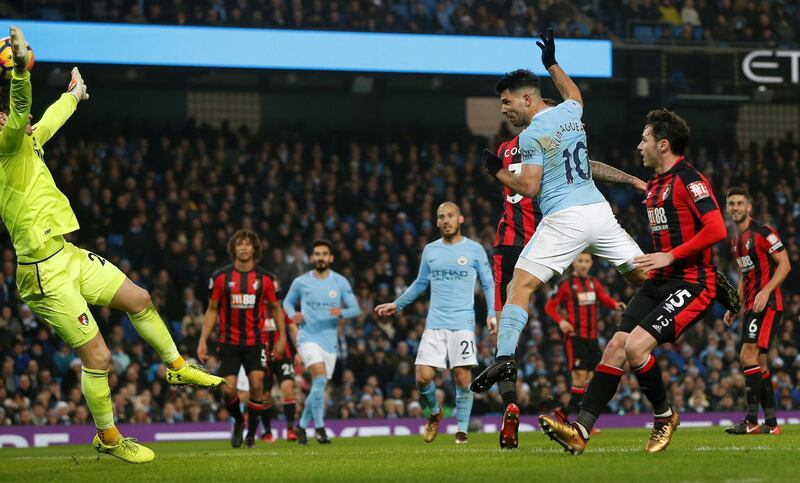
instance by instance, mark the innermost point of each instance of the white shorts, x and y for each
(312, 353)
(446, 349)
(563, 235)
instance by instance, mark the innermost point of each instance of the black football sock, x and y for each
(232, 405)
(576, 394)
(768, 399)
(752, 378)
(254, 411)
(507, 387)
(601, 390)
(289, 410)
(649, 376)
(266, 417)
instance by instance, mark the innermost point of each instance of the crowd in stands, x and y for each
(753, 21)
(162, 206)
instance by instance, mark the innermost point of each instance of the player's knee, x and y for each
(141, 300)
(101, 358)
(749, 355)
(635, 277)
(636, 349)
(616, 346)
(228, 391)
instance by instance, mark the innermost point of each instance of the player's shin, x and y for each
(317, 395)
(576, 394)
(94, 385)
(289, 410)
(428, 397)
(648, 373)
(233, 407)
(255, 411)
(512, 322)
(768, 399)
(601, 390)
(152, 329)
(463, 407)
(752, 377)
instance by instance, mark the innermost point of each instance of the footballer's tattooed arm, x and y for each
(604, 172)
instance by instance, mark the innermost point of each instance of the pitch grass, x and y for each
(615, 455)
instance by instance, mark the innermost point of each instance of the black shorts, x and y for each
(505, 259)
(757, 328)
(282, 369)
(666, 308)
(582, 354)
(253, 358)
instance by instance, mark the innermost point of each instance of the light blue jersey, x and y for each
(451, 270)
(316, 297)
(555, 139)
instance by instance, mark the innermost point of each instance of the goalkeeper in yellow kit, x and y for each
(57, 279)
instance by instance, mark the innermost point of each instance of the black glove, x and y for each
(491, 163)
(548, 46)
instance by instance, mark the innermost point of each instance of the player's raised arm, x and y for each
(57, 114)
(20, 97)
(566, 87)
(604, 172)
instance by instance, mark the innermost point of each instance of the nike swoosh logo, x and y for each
(750, 429)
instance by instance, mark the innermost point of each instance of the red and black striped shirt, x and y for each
(271, 327)
(676, 202)
(580, 296)
(521, 214)
(242, 299)
(753, 249)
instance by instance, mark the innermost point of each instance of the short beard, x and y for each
(320, 270)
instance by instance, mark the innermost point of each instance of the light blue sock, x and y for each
(513, 320)
(463, 407)
(305, 418)
(318, 395)
(428, 395)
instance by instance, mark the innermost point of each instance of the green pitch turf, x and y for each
(615, 455)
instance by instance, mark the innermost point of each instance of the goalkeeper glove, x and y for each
(77, 87)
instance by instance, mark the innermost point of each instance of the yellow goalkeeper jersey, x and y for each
(32, 207)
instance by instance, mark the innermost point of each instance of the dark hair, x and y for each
(254, 239)
(549, 101)
(5, 99)
(322, 243)
(738, 190)
(517, 79)
(665, 124)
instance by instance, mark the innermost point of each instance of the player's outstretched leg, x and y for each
(94, 385)
(574, 438)
(639, 349)
(135, 301)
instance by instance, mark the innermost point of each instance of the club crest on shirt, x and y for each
(666, 192)
(231, 284)
(256, 285)
(462, 260)
(332, 294)
(83, 319)
(747, 245)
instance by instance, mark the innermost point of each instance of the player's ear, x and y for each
(460, 219)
